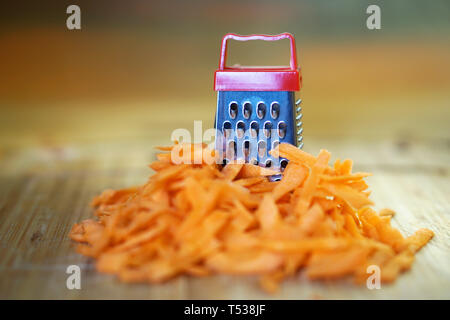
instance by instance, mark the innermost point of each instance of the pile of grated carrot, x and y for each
(203, 219)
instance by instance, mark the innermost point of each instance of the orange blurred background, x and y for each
(139, 69)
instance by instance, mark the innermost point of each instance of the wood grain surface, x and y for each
(47, 182)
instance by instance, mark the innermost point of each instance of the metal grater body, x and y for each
(254, 122)
(256, 107)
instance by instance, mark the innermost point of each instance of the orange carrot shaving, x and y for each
(386, 212)
(231, 171)
(251, 170)
(293, 177)
(336, 264)
(267, 213)
(201, 219)
(351, 196)
(312, 182)
(420, 238)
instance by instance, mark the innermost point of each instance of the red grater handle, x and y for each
(223, 52)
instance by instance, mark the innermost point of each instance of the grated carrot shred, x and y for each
(203, 219)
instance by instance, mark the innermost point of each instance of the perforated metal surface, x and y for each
(253, 122)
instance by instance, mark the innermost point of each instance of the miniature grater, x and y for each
(256, 107)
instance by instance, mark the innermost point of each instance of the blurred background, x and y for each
(139, 69)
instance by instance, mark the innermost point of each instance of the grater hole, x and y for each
(275, 110)
(247, 110)
(226, 128)
(275, 144)
(267, 128)
(254, 127)
(246, 149)
(275, 178)
(283, 163)
(268, 163)
(282, 128)
(262, 146)
(261, 110)
(231, 150)
(240, 129)
(233, 110)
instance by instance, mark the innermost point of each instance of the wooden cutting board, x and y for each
(45, 189)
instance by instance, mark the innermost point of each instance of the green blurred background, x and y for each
(139, 69)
